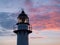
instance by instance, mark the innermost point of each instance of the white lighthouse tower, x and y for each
(23, 29)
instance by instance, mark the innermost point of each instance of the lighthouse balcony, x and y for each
(22, 28)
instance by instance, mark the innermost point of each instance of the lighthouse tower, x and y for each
(23, 29)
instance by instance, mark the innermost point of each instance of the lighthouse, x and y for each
(23, 29)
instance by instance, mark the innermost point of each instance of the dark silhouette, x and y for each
(23, 29)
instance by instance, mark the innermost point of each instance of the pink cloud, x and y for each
(44, 16)
(48, 20)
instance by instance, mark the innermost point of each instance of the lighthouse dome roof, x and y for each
(22, 15)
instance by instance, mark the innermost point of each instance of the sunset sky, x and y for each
(44, 17)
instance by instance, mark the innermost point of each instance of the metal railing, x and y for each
(15, 27)
(30, 27)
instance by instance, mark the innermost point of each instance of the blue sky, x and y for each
(15, 5)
